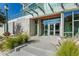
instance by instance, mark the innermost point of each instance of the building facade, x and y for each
(47, 19)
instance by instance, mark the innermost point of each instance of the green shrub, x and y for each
(1, 44)
(8, 43)
(22, 38)
(25, 37)
(19, 39)
(68, 47)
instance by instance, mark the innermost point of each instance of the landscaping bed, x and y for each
(10, 42)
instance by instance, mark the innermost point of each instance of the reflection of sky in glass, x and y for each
(52, 21)
(70, 13)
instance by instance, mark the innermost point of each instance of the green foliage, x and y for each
(8, 43)
(11, 42)
(19, 39)
(1, 46)
(25, 37)
(22, 38)
(68, 47)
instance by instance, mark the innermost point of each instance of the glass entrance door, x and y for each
(51, 26)
(51, 29)
(57, 29)
(45, 29)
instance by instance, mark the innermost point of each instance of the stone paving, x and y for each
(38, 46)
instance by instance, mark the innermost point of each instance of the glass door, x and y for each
(57, 28)
(45, 29)
(51, 29)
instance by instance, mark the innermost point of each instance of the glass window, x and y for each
(57, 28)
(76, 22)
(76, 15)
(51, 29)
(46, 29)
(76, 27)
(68, 24)
(1, 25)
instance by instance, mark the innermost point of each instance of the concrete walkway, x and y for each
(38, 46)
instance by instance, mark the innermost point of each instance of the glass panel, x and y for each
(67, 34)
(76, 27)
(76, 22)
(51, 22)
(57, 29)
(46, 30)
(76, 15)
(68, 24)
(36, 27)
(51, 29)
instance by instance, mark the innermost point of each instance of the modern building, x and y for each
(47, 19)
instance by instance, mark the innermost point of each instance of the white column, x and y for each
(54, 29)
(48, 29)
(39, 27)
(62, 25)
(72, 24)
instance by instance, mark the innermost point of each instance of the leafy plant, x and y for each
(25, 37)
(19, 39)
(22, 38)
(8, 43)
(68, 47)
(1, 46)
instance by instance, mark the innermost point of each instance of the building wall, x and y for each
(21, 24)
(32, 28)
(10, 26)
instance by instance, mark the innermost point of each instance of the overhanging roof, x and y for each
(57, 15)
(49, 8)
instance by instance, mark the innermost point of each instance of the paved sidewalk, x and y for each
(38, 46)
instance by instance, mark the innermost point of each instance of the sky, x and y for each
(14, 8)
